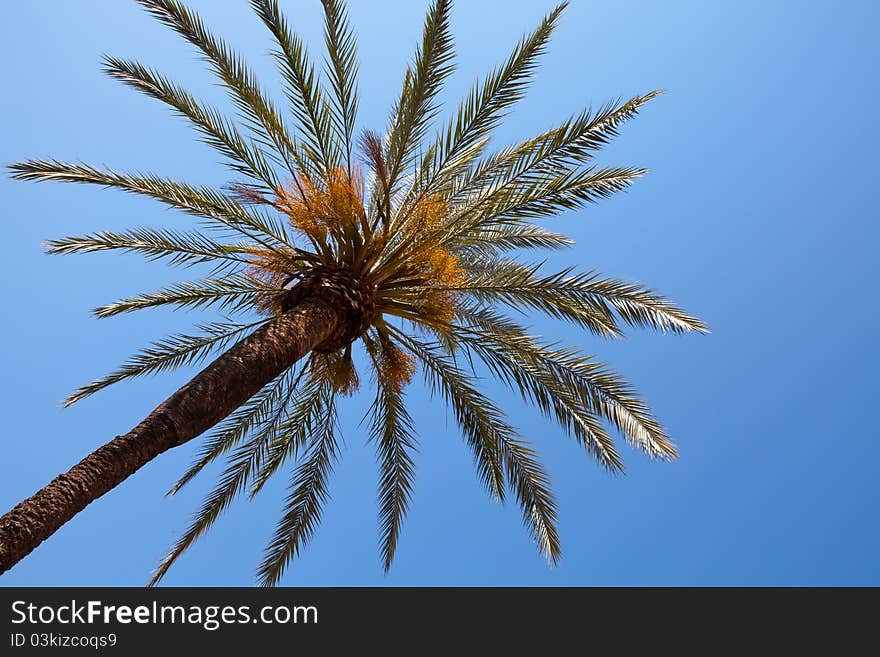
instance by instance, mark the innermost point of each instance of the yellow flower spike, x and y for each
(396, 366)
(337, 369)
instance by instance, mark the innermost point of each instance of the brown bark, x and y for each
(212, 395)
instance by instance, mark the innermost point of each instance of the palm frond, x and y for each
(255, 106)
(229, 433)
(544, 196)
(496, 445)
(417, 106)
(168, 354)
(391, 427)
(196, 201)
(230, 293)
(244, 156)
(603, 392)
(304, 413)
(484, 426)
(308, 492)
(566, 191)
(233, 480)
(484, 107)
(302, 87)
(499, 237)
(532, 488)
(537, 384)
(567, 146)
(177, 248)
(587, 298)
(577, 140)
(342, 71)
(519, 287)
(634, 304)
(381, 197)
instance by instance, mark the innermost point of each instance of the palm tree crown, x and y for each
(417, 234)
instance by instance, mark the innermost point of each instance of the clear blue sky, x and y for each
(759, 216)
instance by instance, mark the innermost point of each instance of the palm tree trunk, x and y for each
(212, 395)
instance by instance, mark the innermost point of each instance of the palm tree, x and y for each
(406, 244)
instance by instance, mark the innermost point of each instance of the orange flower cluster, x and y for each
(268, 266)
(337, 369)
(330, 212)
(271, 268)
(334, 206)
(395, 366)
(438, 267)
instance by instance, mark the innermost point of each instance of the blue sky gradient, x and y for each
(758, 215)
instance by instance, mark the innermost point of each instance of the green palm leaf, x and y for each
(244, 460)
(231, 293)
(571, 144)
(417, 106)
(308, 492)
(499, 237)
(538, 386)
(304, 413)
(532, 488)
(175, 247)
(391, 427)
(244, 157)
(468, 132)
(197, 201)
(255, 106)
(237, 426)
(603, 392)
(586, 298)
(342, 71)
(496, 446)
(168, 354)
(303, 91)
(541, 196)
(484, 425)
